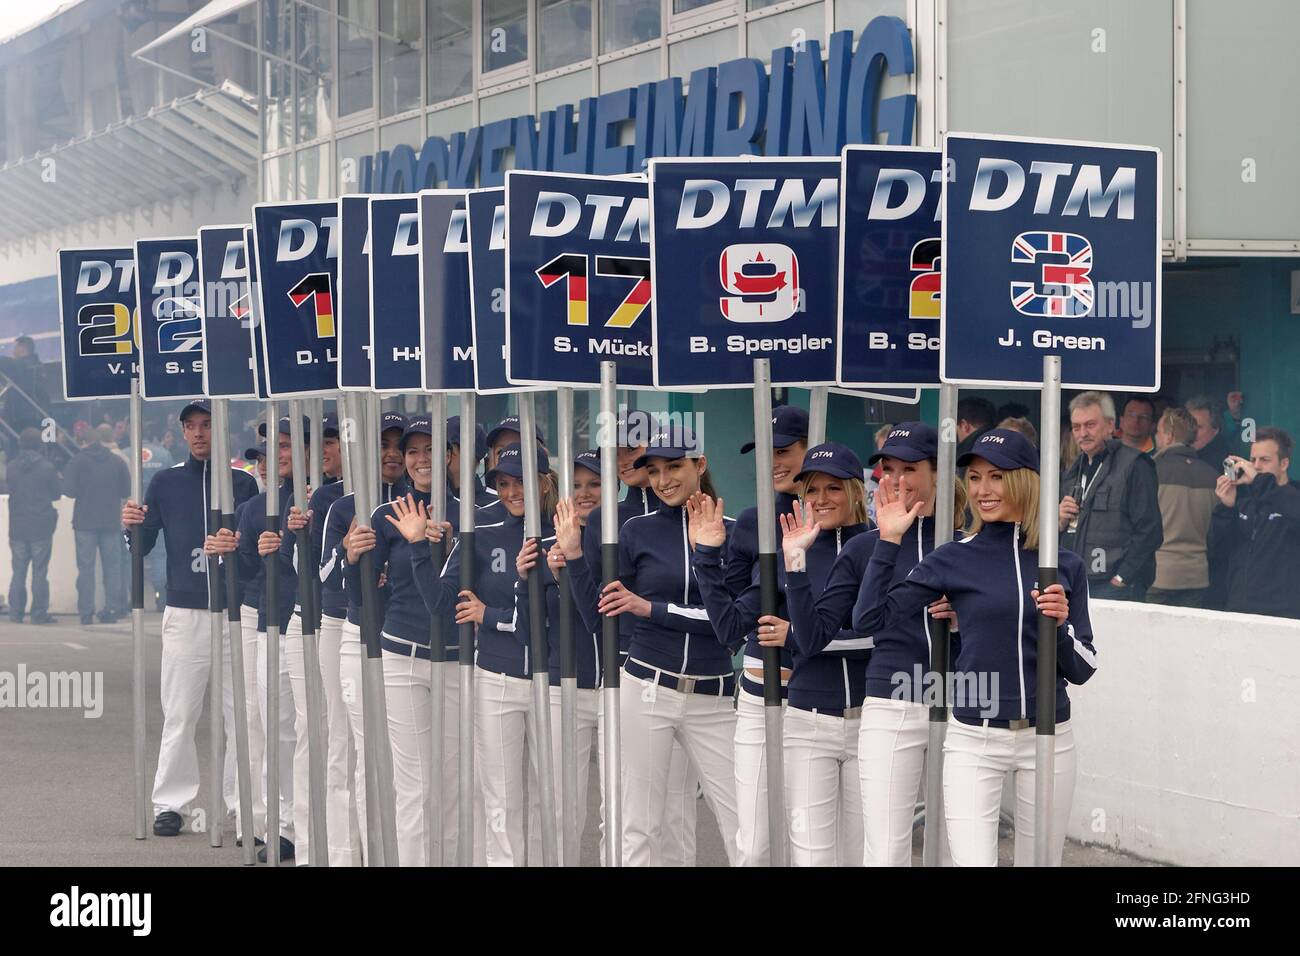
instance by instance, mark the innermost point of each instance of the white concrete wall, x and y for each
(1189, 737)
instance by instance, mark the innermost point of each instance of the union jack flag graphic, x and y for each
(1066, 288)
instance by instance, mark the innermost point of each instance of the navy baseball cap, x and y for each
(252, 454)
(511, 424)
(419, 425)
(789, 425)
(1002, 448)
(589, 460)
(511, 462)
(676, 442)
(480, 437)
(390, 420)
(329, 427)
(284, 428)
(831, 458)
(197, 405)
(909, 441)
(635, 428)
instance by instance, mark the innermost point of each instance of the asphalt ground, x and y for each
(66, 778)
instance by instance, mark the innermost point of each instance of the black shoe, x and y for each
(87, 620)
(257, 841)
(168, 823)
(106, 616)
(286, 851)
(42, 618)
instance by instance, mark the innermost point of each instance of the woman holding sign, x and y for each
(503, 720)
(680, 683)
(990, 580)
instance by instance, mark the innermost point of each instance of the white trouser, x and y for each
(589, 726)
(653, 717)
(186, 662)
(408, 699)
(295, 661)
(350, 688)
(503, 725)
(753, 841)
(975, 761)
(340, 813)
(288, 738)
(822, 790)
(891, 756)
(256, 735)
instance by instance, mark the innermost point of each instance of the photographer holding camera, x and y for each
(1257, 523)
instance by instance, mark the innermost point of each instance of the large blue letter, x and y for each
(884, 43)
(778, 103)
(741, 87)
(498, 137)
(612, 111)
(463, 158)
(578, 158)
(431, 171)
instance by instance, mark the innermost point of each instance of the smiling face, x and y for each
(284, 459)
(829, 499)
(915, 480)
(331, 462)
(419, 461)
(510, 491)
(985, 485)
(628, 474)
(586, 491)
(675, 479)
(786, 463)
(502, 439)
(391, 460)
(197, 429)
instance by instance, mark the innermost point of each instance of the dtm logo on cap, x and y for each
(900, 433)
(993, 439)
(822, 454)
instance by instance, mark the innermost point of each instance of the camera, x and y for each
(1232, 470)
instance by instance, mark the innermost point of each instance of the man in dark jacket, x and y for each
(1110, 508)
(33, 488)
(1257, 524)
(99, 481)
(975, 416)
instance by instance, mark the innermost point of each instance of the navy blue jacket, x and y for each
(501, 648)
(988, 578)
(334, 557)
(250, 587)
(654, 562)
(332, 602)
(1259, 537)
(252, 522)
(586, 639)
(830, 675)
(637, 501)
(177, 500)
(898, 649)
(742, 545)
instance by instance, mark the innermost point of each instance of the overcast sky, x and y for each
(15, 15)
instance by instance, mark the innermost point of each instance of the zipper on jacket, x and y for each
(1020, 616)
(686, 588)
(925, 611)
(844, 661)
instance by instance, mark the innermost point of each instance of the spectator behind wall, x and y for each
(1186, 503)
(1211, 444)
(1022, 425)
(1257, 525)
(1137, 424)
(1110, 509)
(975, 416)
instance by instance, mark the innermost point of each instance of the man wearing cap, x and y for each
(1110, 504)
(177, 506)
(483, 496)
(634, 429)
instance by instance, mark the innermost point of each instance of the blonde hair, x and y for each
(854, 490)
(1022, 425)
(1020, 491)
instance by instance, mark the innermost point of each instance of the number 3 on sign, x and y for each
(572, 268)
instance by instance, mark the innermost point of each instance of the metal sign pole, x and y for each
(137, 621)
(437, 641)
(243, 768)
(779, 851)
(568, 651)
(218, 451)
(314, 705)
(272, 602)
(940, 643)
(374, 701)
(315, 480)
(818, 397)
(1045, 723)
(609, 647)
(465, 806)
(540, 652)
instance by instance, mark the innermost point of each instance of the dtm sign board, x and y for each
(446, 332)
(354, 293)
(171, 327)
(1051, 248)
(395, 294)
(577, 279)
(744, 267)
(228, 370)
(889, 266)
(97, 311)
(297, 252)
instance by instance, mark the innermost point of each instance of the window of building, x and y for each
(563, 33)
(625, 23)
(314, 42)
(356, 57)
(505, 34)
(451, 49)
(399, 56)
